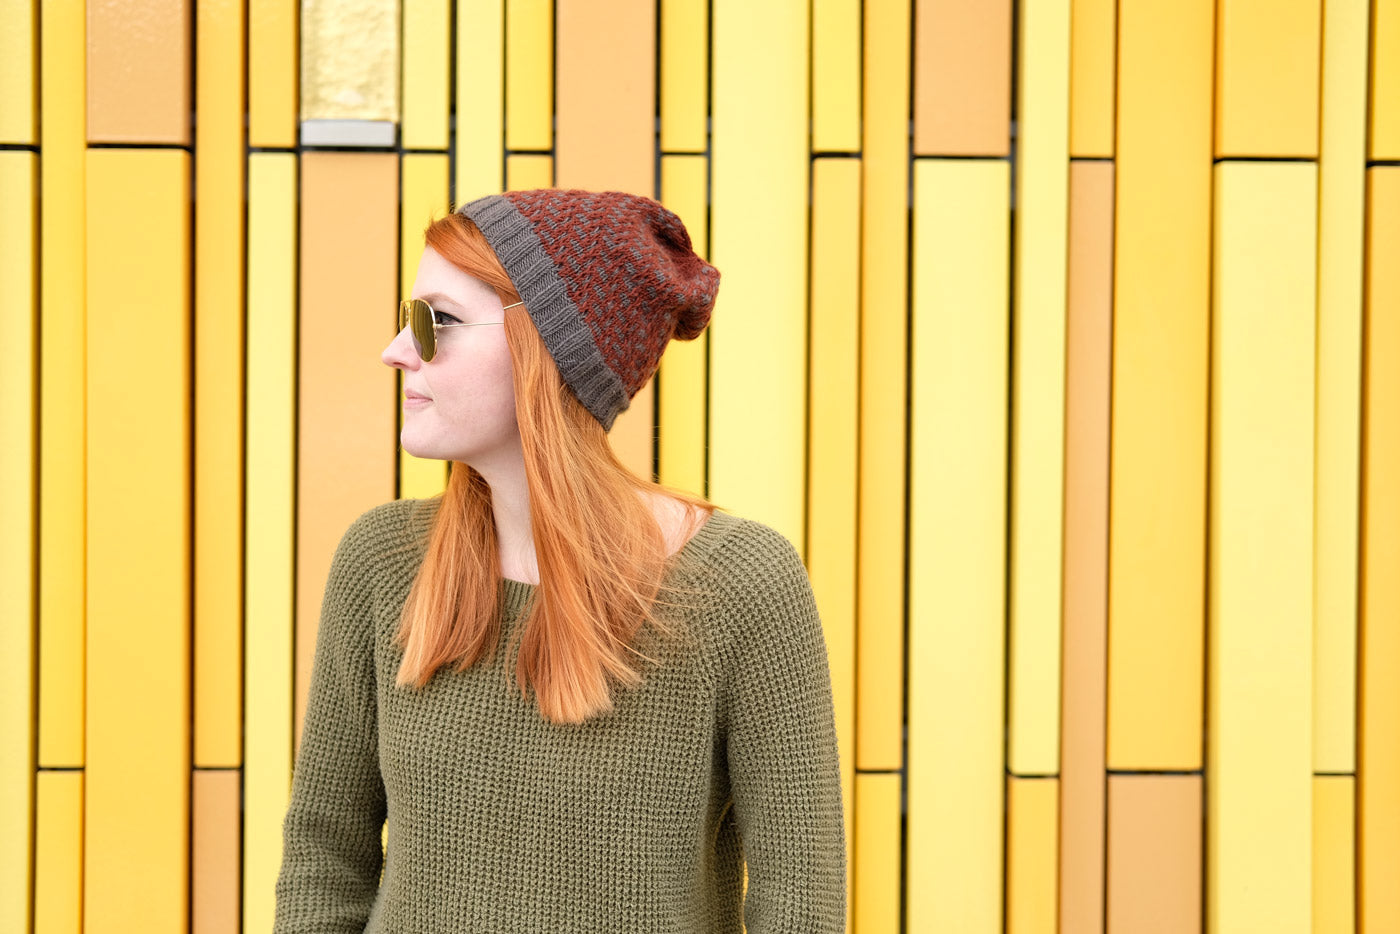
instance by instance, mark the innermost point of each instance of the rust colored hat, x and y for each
(608, 279)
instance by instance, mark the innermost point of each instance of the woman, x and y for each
(658, 718)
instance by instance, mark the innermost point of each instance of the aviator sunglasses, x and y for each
(423, 321)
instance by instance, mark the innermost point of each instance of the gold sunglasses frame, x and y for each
(410, 317)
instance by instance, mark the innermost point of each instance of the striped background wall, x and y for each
(1063, 337)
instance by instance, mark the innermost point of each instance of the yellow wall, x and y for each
(1085, 423)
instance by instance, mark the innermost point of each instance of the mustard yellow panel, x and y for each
(529, 171)
(529, 40)
(480, 124)
(1341, 222)
(62, 316)
(1378, 757)
(883, 388)
(58, 853)
(214, 882)
(347, 400)
(1032, 813)
(874, 877)
(1038, 378)
(685, 32)
(18, 80)
(836, 75)
(962, 76)
(427, 61)
(758, 338)
(1259, 857)
(1385, 80)
(423, 195)
(682, 376)
(834, 394)
(218, 396)
(136, 860)
(1161, 349)
(1267, 59)
(270, 511)
(138, 82)
(18, 462)
(1092, 76)
(957, 546)
(1334, 854)
(272, 72)
(350, 60)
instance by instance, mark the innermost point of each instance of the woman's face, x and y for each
(460, 406)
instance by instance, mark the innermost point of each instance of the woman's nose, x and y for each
(400, 353)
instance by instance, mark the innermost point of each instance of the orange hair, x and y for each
(600, 551)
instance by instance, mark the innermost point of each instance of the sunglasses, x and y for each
(420, 317)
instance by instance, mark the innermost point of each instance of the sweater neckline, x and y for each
(515, 595)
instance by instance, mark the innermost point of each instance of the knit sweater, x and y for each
(641, 820)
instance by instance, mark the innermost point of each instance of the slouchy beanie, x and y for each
(608, 279)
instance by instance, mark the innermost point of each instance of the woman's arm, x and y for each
(781, 739)
(331, 854)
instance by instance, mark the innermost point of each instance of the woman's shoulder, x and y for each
(396, 528)
(748, 555)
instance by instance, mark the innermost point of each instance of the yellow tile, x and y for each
(1092, 76)
(836, 75)
(1267, 73)
(138, 82)
(1378, 753)
(19, 212)
(529, 41)
(19, 87)
(423, 191)
(136, 860)
(218, 395)
(529, 171)
(957, 546)
(1385, 80)
(58, 853)
(1341, 222)
(62, 415)
(685, 33)
(1334, 854)
(272, 72)
(270, 510)
(884, 303)
(874, 878)
(682, 389)
(427, 60)
(759, 168)
(1259, 861)
(1161, 349)
(1032, 813)
(350, 60)
(834, 393)
(1038, 378)
(480, 124)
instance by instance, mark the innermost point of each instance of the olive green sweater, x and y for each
(638, 821)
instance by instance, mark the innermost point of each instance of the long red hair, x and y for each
(601, 553)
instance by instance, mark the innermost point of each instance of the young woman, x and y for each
(580, 701)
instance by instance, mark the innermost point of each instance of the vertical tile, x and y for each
(957, 546)
(529, 171)
(427, 66)
(1154, 854)
(214, 858)
(1161, 353)
(875, 878)
(1385, 80)
(479, 129)
(1038, 387)
(1032, 809)
(962, 77)
(685, 35)
(758, 343)
(884, 391)
(136, 860)
(273, 67)
(1093, 77)
(836, 75)
(1261, 545)
(350, 60)
(1083, 711)
(529, 63)
(58, 852)
(138, 71)
(1334, 854)
(270, 523)
(1267, 78)
(19, 87)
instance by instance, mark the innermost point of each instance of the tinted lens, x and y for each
(418, 315)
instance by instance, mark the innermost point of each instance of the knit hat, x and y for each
(607, 277)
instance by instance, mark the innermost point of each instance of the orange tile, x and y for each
(214, 863)
(138, 81)
(1154, 854)
(962, 77)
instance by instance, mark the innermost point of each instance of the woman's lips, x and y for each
(412, 400)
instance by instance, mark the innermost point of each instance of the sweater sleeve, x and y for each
(781, 744)
(331, 852)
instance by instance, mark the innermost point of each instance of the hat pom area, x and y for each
(690, 283)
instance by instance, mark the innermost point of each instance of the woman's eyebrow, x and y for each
(437, 298)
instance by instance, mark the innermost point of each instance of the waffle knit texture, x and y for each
(636, 822)
(608, 279)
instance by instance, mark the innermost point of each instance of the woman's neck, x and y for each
(510, 507)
